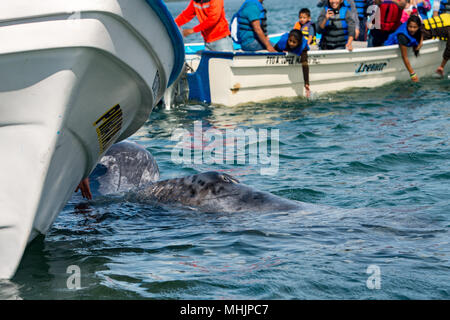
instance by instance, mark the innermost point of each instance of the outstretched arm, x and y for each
(187, 15)
(305, 67)
(404, 52)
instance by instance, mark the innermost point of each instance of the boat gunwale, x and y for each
(232, 54)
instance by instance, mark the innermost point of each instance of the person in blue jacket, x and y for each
(408, 35)
(294, 42)
(249, 27)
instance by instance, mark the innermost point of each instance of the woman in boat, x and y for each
(352, 6)
(408, 35)
(438, 28)
(337, 25)
(294, 42)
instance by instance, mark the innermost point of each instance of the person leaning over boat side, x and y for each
(390, 14)
(296, 43)
(213, 23)
(251, 25)
(337, 25)
(438, 27)
(306, 27)
(440, 7)
(406, 36)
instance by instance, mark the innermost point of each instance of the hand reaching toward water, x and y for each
(85, 189)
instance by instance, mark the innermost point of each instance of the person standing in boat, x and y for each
(249, 27)
(362, 8)
(387, 20)
(352, 6)
(440, 7)
(423, 7)
(408, 35)
(296, 43)
(337, 25)
(306, 27)
(213, 23)
(438, 27)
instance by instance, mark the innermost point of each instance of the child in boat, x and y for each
(296, 43)
(305, 25)
(406, 36)
(337, 25)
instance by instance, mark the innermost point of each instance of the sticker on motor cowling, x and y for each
(108, 127)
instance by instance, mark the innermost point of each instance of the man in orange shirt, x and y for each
(213, 23)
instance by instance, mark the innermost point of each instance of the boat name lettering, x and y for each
(364, 67)
(289, 60)
(283, 60)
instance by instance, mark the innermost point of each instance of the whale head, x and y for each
(126, 166)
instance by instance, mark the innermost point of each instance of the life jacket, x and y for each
(239, 23)
(445, 7)
(390, 15)
(335, 34)
(282, 44)
(305, 30)
(361, 8)
(403, 29)
(441, 21)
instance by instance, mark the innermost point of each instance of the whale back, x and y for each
(214, 192)
(126, 166)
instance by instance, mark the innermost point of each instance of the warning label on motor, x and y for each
(108, 127)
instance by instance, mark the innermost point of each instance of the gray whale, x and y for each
(128, 167)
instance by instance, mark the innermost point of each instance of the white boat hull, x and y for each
(69, 88)
(234, 78)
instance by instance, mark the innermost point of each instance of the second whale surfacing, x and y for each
(128, 167)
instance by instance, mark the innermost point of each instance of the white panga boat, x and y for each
(233, 78)
(75, 77)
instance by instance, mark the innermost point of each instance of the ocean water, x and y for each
(373, 163)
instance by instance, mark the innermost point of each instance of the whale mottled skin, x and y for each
(214, 192)
(127, 167)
